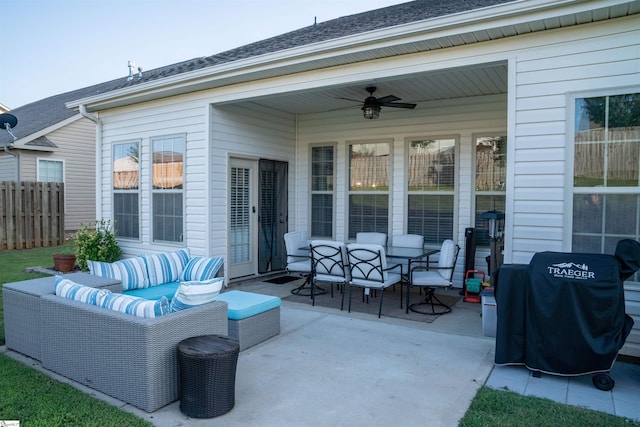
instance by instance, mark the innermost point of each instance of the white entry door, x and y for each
(243, 233)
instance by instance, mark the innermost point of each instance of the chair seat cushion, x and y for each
(246, 304)
(391, 278)
(300, 266)
(428, 278)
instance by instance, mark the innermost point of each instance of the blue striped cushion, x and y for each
(166, 267)
(136, 306)
(191, 294)
(200, 268)
(71, 290)
(132, 272)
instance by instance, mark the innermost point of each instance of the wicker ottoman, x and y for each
(207, 375)
(22, 324)
(253, 318)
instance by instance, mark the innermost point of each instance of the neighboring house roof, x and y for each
(42, 114)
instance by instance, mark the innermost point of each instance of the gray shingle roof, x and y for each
(49, 111)
(391, 16)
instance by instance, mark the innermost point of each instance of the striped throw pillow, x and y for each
(66, 288)
(132, 272)
(136, 306)
(166, 267)
(191, 294)
(200, 268)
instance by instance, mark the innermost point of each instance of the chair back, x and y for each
(367, 262)
(407, 240)
(372, 237)
(447, 259)
(329, 259)
(293, 241)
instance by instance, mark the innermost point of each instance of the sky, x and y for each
(50, 47)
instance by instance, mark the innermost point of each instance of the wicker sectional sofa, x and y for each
(130, 358)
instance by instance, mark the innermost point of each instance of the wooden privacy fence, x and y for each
(31, 214)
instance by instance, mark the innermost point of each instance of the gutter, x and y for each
(96, 119)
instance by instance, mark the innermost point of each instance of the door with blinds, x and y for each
(273, 215)
(243, 254)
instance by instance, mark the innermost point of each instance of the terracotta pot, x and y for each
(64, 262)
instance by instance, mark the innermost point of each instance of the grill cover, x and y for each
(567, 312)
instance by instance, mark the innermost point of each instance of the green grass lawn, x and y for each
(37, 400)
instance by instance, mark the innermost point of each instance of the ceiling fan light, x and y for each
(371, 111)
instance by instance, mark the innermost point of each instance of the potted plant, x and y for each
(64, 263)
(97, 243)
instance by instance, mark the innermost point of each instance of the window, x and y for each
(491, 177)
(126, 175)
(368, 188)
(430, 188)
(167, 188)
(606, 192)
(322, 160)
(50, 170)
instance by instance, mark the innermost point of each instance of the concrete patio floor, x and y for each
(328, 367)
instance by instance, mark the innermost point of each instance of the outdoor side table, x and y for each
(207, 375)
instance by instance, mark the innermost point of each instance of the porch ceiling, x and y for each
(486, 79)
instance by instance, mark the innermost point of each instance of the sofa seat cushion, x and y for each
(132, 272)
(200, 268)
(246, 304)
(166, 290)
(192, 294)
(136, 306)
(166, 267)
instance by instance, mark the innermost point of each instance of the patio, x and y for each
(334, 368)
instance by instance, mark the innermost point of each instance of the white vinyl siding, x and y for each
(575, 60)
(460, 117)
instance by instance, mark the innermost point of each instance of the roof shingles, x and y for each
(49, 111)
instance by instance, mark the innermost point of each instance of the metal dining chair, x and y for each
(369, 270)
(372, 237)
(298, 260)
(431, 276)
(329, 264)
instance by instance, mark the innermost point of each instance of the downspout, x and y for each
(94, 118)
(16, 156)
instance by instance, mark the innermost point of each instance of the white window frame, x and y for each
(476, 193)
(154, 191)
(138, 191)
(52, 160)
(571, 189)
(349, 192)
(332, 192)
(453, 193)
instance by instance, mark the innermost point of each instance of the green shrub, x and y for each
(97, 243)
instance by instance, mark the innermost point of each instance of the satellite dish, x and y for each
(8, 121)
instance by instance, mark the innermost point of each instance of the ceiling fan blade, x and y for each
(388, 98)
(399, 105)
(349, 99)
